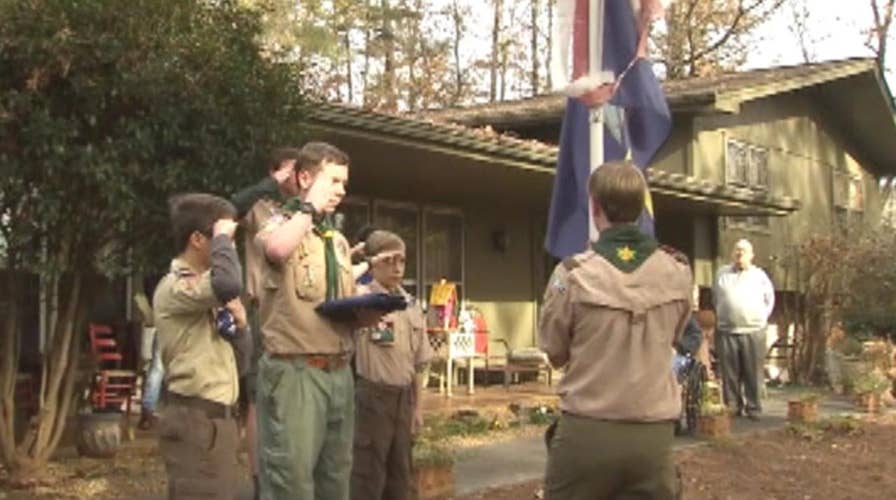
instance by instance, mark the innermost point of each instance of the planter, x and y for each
(433, 482)
(99, 434)
(713, 426)
(802, 411)
(868, 402)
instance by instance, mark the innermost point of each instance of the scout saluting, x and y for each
(391, 358)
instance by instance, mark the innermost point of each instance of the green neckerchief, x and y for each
(625, 246)
(325, 229)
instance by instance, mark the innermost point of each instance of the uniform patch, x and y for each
(558, 284)
(626, 254)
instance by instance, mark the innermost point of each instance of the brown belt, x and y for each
(325, 362)
(212, 409)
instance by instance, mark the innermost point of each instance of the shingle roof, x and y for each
(533, 154)
(683, 94)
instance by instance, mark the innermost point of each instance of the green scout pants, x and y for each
(200, 453)
(306, 419)
(382, 462)
(590, 459)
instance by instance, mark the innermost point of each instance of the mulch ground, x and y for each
(842, 459)
(839, 460)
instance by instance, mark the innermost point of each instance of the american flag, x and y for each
(626, 91)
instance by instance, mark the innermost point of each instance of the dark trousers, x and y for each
(381, 469)
(740, 362)
(590, 459)
(200, 453)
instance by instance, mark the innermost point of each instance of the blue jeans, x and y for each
(152, 384)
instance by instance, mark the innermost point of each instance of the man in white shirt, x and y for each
(744, 299)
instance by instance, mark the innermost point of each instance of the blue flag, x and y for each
(640, 115)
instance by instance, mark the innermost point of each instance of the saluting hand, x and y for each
(224, 226)
(285, 172)
(320, 192)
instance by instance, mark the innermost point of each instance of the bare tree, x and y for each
(877, 35)
(496, 51)
(705, 36)
(533, 46)
(800, 17)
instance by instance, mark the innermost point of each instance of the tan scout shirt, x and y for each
(291, 291)
(198, 361)
(614, 332)
(256, 219)
(394, 363)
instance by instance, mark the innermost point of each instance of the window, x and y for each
(746, 165)
(355, 214)
(443, 248)
(402, 219)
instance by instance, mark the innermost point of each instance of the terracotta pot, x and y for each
(868, 402)
(434, 482)
(802, 411)
(713, 425)
(99, 434)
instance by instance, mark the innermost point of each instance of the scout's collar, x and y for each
(625, 246)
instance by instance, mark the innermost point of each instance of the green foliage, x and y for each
(870, 382)
(826, 427)
(109, 108)
(430, 453)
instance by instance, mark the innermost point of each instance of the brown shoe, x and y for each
(147, 420)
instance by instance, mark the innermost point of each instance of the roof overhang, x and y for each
(482, 165)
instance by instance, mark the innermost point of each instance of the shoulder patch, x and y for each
(571, 263)
(676, 254)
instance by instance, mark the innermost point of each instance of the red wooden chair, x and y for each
(104, 346)
(111, 386)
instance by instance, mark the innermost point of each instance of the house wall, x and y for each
(803, 156)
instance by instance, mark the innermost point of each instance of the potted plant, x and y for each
(714, 420)
(803, 408)
(868, 388)
(433, 469)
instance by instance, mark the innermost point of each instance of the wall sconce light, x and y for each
(500, 240)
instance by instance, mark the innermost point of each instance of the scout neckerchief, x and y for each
(324, 228)
(625, 246)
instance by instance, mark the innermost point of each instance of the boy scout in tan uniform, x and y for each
(611, 317)
(197, 432)
(255, 205)
(305, 399)
(390, 360)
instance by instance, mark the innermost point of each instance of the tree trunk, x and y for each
(389, 90)
(549, 44)
(347, 45)
(9, 367)
(57, 389)
(365, 76)
(496, 51)
(533, 78)
(458, 68)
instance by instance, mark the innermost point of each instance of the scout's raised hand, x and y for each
(385, 256)
(285, 171)
(224, 226)
(320, 192)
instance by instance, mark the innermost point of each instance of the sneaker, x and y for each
(147, 420)
(754, 416)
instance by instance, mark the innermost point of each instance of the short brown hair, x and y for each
(280, 155)
(313, 154)
(619, 188)
(381, 241)
(196, 212)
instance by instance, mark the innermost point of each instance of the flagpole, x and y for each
(595, 67)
